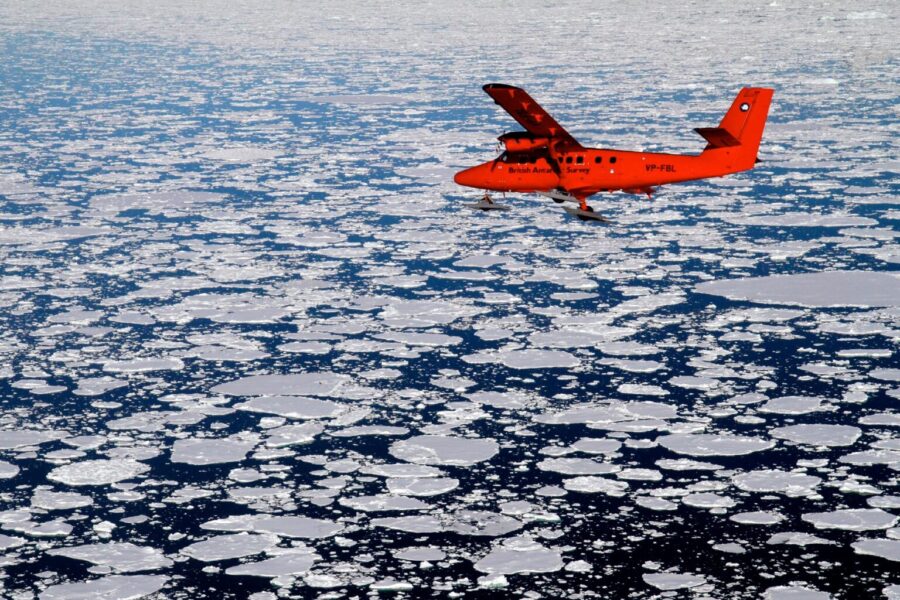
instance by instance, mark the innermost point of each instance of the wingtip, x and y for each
(498, 86)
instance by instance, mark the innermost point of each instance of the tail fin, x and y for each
(742, 127)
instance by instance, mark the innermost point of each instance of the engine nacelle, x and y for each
(522, 141)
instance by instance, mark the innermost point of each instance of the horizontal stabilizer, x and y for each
(717, 137)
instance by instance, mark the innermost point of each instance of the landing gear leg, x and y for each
(585, 212)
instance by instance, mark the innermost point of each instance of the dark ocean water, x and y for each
(179, 212)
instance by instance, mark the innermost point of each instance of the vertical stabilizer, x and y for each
(746, 119)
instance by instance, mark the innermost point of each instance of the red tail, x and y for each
(736, 139)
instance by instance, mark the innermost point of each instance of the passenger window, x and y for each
(579, 159)
(598, 159)
(568, 160)
(612, 159)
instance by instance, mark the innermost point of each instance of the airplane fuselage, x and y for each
(593, 170)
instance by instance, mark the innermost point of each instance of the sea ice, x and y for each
(883, 548)
(296, 561)
(784, 482)
(520, 556)
(794, 592)
(818, 434)
(852, 519)
(202, 451)
(224, 547)
(284, 525)
(708, 444)
(97, 472)
(27, 437)
(673, 581)
(121, 557)
(298, 384)
(114, 587)
(294, 407)
(444, 450)
(825, 289)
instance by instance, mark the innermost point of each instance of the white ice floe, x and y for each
(427, 486)
(143, 365)
(577, 466)
(885, 374)
(97, 472)
(294, 407)
(792, 405)
(297, 384)
(520, 555)
(596, 445)
(50, 500)
(609, 412)
(537, 359)
(295, 561)
(97, 386)
(121, 557)
(852, 519)
(114, 587)
(444, 450)
(463, 522)
(290, 435)
(284, 525)
(708, 444)
(596, 485)
(19, 438)
(364, 430)
(818, 434)
(673, 581)
(384, 503)
(402, 470)
(686, 464)
(756, 518)
(224, 547)
(829, 288)
(872, 457)
(883, 548)
(202, 451)
(798, 219)
(784, 482)
(794, 592)
(426, 313)
(505, 400)
(420, 553)
(641, 389)
(652, 503)
(10, 541)
(708, 500)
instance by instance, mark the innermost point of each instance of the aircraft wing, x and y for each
(528, 113)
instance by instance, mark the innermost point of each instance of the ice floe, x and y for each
(825, 289)
(97, 472)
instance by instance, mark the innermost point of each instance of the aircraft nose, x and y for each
(469, 177)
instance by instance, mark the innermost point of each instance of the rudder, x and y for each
(746, 118)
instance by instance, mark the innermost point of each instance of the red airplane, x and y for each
(546, 159)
